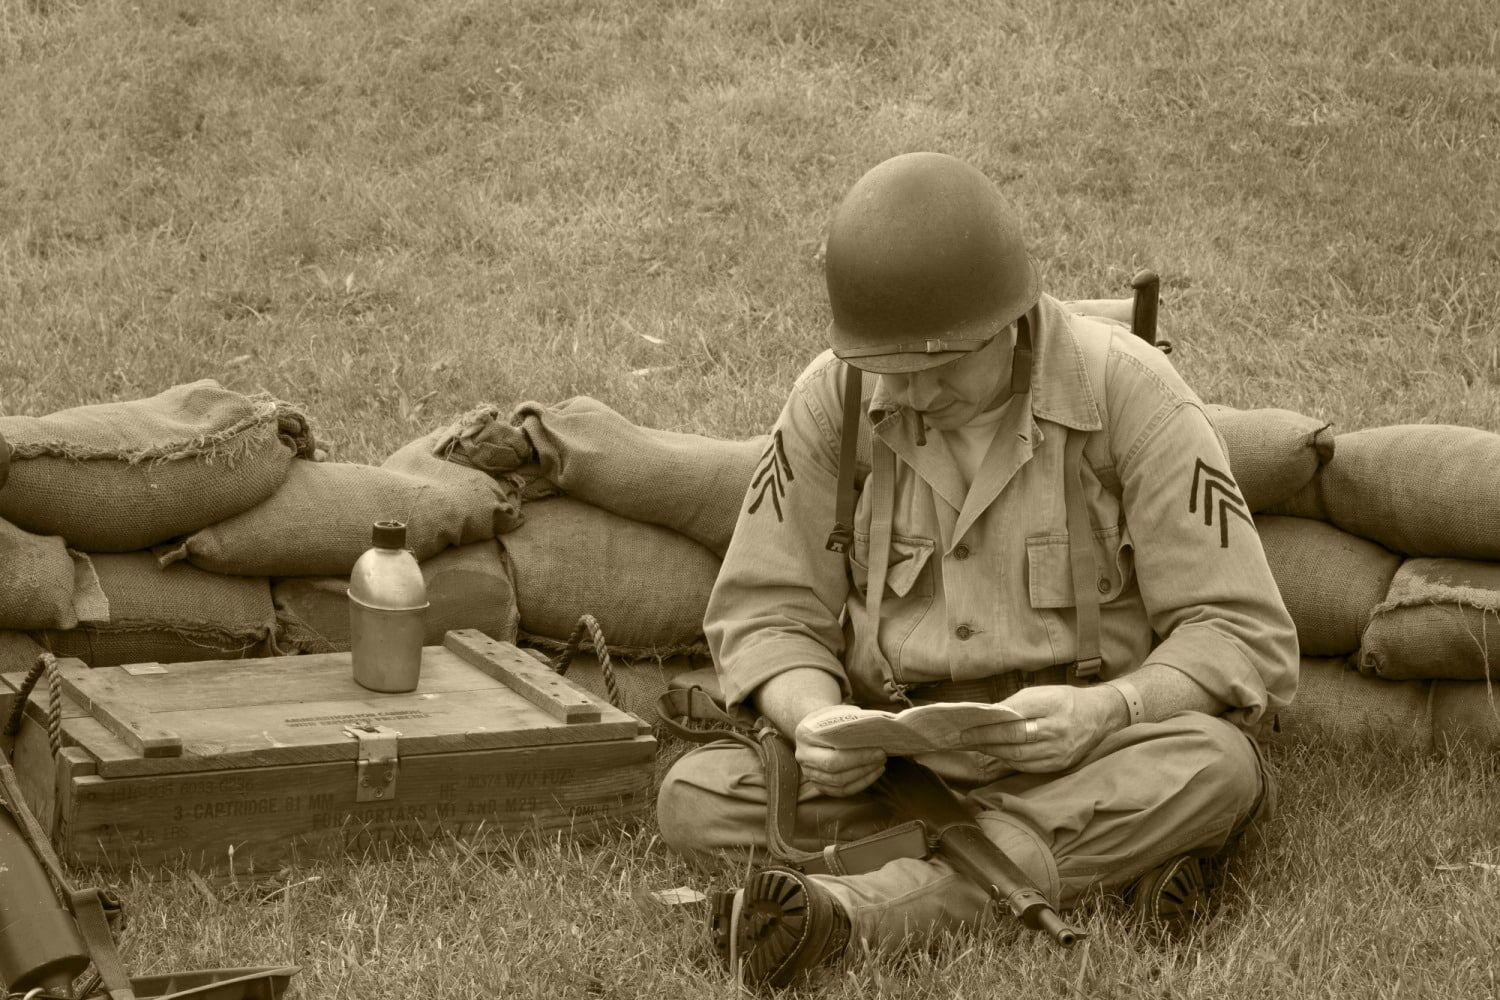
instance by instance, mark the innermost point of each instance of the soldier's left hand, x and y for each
(1062, 724)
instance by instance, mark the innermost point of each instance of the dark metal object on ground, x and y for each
(913, 790)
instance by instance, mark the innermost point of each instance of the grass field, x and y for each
(388, 211)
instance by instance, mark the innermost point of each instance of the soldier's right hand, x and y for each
(835, 772)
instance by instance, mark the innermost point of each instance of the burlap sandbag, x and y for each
(1440, 619)
(44, 584)
(641, 681)
(1330, 580)
(1336, 705)
(18, 651)
(117, 477)
(170, 615)
(1466, 713)
(319, 522)
(647, 586)
(1419, 489)
(467, 587)
(693, 484)
(1272, 453)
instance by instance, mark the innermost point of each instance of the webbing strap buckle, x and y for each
(1089, 668)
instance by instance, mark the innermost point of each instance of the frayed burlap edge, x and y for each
(230, 444)
(557, 646)
(212, 639)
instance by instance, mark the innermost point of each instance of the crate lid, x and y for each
(475, 693)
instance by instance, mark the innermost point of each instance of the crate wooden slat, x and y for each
(268, 760)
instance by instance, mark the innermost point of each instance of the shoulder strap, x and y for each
(842, 536)
(1092, 447)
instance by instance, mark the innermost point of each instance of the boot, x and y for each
(1172, 896)
(778, 927)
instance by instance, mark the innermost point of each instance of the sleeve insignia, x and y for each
(1217, 494)
(772, 474)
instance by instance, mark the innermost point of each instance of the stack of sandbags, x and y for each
(623, 522)
(163, 522)
(92, 488)
(1418, 504)
(318, 523)
(308, 535)
(468, 586)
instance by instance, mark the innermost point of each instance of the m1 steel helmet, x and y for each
(925, 262)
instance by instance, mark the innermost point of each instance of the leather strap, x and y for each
(691, 714)
(913, 347)
(1133, 703)
(90, 908)
(842, 537)
(1081, 550)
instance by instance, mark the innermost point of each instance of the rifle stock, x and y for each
(914, 791)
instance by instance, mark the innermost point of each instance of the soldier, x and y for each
(1045, 517)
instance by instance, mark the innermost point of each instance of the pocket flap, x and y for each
(908, 556)
(1049, 567)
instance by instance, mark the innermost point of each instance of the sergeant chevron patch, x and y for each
(1219, 496)
(768, 476)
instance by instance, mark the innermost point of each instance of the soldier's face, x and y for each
(949, 396)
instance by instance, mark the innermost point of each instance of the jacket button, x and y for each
(1103, 585)
(961, 552)
(963, 632)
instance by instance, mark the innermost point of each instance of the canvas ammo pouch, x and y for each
(1440, 619)
(1329, 580)
(118, 477)
(170, 615)
(468, 586)
(1273, 453)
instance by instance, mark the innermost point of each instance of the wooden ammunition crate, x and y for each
(251, 763)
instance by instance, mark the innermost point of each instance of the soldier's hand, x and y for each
(837, 772)
(1063, 723)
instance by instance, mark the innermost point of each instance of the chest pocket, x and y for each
(1049, 567)
(904, 576)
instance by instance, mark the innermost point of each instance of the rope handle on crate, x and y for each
(45, 663)
(591, 624)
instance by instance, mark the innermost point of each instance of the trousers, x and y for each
(1190, 783)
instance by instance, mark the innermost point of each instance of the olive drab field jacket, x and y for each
(980, 584)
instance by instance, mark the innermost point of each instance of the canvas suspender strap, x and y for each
(1081, 552)
(842, 536)
(882, 512)
(1020, 359)
(692, 715)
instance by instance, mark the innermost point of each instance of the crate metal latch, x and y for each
(375, 779)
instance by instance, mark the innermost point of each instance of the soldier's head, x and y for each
(927, 272)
